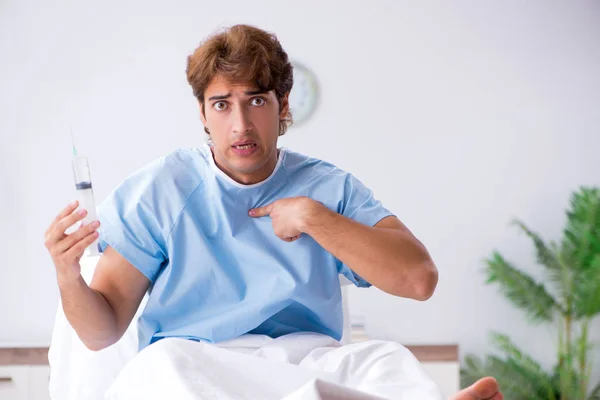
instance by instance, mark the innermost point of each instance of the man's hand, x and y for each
(386, 255)
(289, 216)
(66, 250)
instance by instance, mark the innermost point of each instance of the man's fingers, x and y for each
(261, 211)
(290, 238)
(65, 211)
(65, 244)
(57, 233)
(77, 250)
(71, 220)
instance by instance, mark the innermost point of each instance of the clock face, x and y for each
(304, 94)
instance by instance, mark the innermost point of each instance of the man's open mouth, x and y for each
(245, 146)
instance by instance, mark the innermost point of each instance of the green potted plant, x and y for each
(572, 268)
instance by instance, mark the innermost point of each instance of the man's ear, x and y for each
(285, 106)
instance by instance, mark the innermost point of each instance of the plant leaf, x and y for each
(514, 383)
(586, 290)
(545, 256)
(524, 364)
(580, 250)
(549, 257)
(521, 289)
(595, 393)
(581, 241)
(472, 370)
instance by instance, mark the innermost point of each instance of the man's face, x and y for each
(244, 127)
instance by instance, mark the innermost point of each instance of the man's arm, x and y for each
(387, 255)
(101, 312)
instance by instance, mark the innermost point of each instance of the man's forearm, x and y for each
(390, 259)
(88, 312)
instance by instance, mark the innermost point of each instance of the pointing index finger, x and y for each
(261, 211)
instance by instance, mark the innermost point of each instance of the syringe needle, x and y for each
(73, 143)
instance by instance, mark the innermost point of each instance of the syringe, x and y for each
(83, 185)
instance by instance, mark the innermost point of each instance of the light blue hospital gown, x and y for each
(216, 273)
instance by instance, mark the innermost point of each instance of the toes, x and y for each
(485, 388)
(498, 396)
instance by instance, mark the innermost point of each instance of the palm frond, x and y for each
(521, 289)
(586, 290)
(562, 278)
(514, 383)
(519, 377)
(472, 369)
(581, 242)
(527, 366)
(545, 256)
(595, 393)
(549, 257)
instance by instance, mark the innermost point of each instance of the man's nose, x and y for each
(241, 121)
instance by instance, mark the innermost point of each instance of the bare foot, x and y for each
(484, 389)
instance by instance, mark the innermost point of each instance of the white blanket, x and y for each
(298, 366)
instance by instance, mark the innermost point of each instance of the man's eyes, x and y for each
(258, 101)
(220, 105)
(255, 101)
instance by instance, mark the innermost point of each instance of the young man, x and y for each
(238, 236)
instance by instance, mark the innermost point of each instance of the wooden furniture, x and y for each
(24, 373)
(442, 365)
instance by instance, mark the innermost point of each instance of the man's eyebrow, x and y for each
(228, 95)
(219, 97)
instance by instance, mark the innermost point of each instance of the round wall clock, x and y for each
(305, 93)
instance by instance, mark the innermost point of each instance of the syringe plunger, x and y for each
(81, 171)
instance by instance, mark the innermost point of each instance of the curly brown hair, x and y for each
(242, 53)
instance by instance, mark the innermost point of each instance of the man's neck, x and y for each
(250, 178)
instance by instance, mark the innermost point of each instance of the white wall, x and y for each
(459, 115)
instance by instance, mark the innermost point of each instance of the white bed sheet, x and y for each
(304, 365)
(307, 366)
